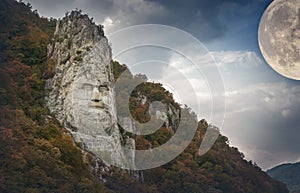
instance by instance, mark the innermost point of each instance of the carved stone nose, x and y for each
(95, 95)
(96, 99)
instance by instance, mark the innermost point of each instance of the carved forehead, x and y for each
(87, 78)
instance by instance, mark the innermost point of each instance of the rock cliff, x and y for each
(81, 94)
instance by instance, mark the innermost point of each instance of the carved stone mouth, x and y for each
(96, 104)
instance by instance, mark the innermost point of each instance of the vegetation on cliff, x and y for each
(36, 155)
(221, 169)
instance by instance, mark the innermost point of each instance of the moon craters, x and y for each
(279, 37)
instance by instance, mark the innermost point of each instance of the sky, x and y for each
(262, 107)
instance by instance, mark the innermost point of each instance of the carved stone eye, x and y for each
(104, 87)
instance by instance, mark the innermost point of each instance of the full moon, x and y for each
(279, 37)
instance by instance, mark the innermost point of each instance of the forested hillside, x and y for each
(288, 174)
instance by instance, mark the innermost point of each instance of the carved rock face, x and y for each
(87, 106)
(81, 94)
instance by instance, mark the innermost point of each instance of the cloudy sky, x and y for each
(262, 107)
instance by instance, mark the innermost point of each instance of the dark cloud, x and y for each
(55, 8)
(207, 20)
(204, 19)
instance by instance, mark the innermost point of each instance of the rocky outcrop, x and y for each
(81, 94)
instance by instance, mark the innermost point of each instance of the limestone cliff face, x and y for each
(81, 93)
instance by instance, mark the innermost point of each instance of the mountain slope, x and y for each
(288, 174)
(36, 155)
(39, 155)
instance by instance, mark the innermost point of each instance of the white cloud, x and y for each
(261, 120)
(246, 59)
(276, 97)
(194, 88)
(110, 24)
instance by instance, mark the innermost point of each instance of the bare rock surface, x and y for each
(81, 93)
